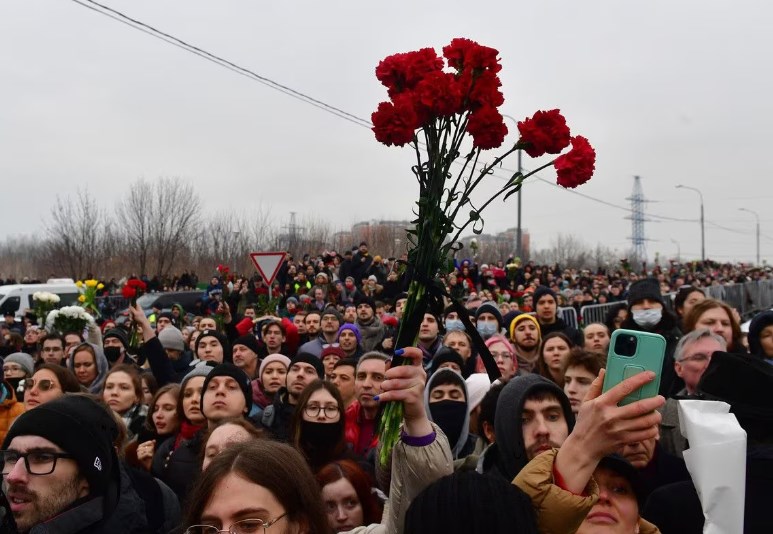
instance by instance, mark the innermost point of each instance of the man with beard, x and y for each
(330, 323)
(526, 336)
(60, 470)
(533, 415)
(371, 328)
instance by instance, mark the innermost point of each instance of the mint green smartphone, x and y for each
(630, 353)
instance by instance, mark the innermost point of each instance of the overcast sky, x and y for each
(676, 92)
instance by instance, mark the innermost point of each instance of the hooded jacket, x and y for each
(465, 443)
(103, 366)
(756, 327)
(507, 456)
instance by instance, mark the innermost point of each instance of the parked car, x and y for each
(17, 298)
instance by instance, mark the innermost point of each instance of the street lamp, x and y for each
(519, 232)
(703, 225)
(756, 216)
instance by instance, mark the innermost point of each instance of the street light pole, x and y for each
(703, 221)
(757, 217)
(678, 251)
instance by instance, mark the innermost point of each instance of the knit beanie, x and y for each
(521, 318)
(647, 288)
(492, 308)
(249, 341)
(478, 384)
(23, 359)
(330, 310)
(756, 327)
(223, 342)
(305, 357)
(82, 428)
(331, 350)
(118, 333)
(445, 355)
(199, 369)
(230, 370)
(271, 358)
(171, 338)
(353, 328)
(365, 300)
(540, 292)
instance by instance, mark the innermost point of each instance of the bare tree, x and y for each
(159, 221)
(75, 235)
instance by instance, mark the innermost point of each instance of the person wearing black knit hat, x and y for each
(647, 313)
(447, 357)
(212, 346)
(245, 354)
(114, 344)
(546, 308)
(472, 503)
(69, 473)
(220, 399)
(488, 319)
(761, 336)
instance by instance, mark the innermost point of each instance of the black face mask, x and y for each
(321, 436)
(449, 415)
(112, 353)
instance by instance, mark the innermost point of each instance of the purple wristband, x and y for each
(417, 441)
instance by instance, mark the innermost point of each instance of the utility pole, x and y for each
(703, 221)
(757, 217)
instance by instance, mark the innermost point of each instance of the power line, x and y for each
(179, 43)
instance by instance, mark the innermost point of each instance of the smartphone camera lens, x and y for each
(626, 345)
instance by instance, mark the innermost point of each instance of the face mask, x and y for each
(112, 353)
(449, 415)
(647, 318)
(487, 329)
(454, 324)
(321, 436)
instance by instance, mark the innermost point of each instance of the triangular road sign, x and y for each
(268, 264)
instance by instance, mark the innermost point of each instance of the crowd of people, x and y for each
(241, 419)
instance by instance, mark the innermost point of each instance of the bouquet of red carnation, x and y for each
(133, 289)
(434, 103)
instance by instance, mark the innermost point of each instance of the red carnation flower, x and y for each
(463, 54)
(576, 166)
(485, 91)
(402, 72)
(394, 123)
(128, 292)
(545, 132)
(133, 288)
(487, 127)
(440, 94)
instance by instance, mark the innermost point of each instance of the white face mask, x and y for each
(647, 318)
(454, 324)
(487, 329)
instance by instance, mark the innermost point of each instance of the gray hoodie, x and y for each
(102, 367)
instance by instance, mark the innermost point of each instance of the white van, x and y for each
(17, 298)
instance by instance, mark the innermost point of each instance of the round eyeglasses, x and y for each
(312, 410)
(245, 526)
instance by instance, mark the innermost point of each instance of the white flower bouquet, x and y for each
(68, 319)
(43, 304)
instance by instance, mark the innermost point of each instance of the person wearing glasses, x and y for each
(317, 427)
(692, 356)
(52, 349)
(49, 382)
(60, 469)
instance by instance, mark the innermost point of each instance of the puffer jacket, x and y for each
(559, 511)
(10, 409)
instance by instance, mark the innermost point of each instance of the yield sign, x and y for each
(268, 264)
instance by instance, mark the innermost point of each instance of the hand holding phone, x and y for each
(632, 352)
